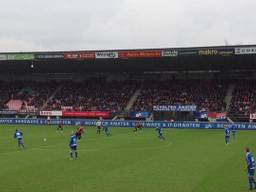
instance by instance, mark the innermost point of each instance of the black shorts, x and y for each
(73, 148)
(251, 172)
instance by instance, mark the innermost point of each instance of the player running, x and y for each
(137, 127)
(99, 126)
(60, 127)
(250, 168)
(106, 130)
(73, 146)
(159, 131)
(79, 132)
(227, 134)
(18, 135)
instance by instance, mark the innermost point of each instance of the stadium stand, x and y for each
(243, 100)
(93, 95)
(113, 96)
(207, 95)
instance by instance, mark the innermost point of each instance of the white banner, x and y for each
(106, 55)
(51, 113)
(253, 116)
(3, 57)
(170, 53)
(245, 50)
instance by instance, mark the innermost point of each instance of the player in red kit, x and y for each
(137, 127)
(79, 132)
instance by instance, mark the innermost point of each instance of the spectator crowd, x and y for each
(113, 96)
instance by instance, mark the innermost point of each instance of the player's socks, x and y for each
(76, 154)
(250, 182)
(71, 155)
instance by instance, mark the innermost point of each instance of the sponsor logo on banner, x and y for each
(208, 52)
(253, 116)
(8, 112)
(49, 56)
(142, 114)
(80, 56)
(3, 57)
(20, 57)
(71, 56)
(170, 53)
(245, 50)
(226, 52)
(139, 54)
(106, 55)
(51, 113)
(87, 55)
(86, 114)
(122, 123)
(182, 108)
(188, 52)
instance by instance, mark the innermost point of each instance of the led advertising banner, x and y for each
(139, 54)
(106, 55)
(20, 57)
(3, 57)
(49, 56)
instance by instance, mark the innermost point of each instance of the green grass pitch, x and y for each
(188, 161)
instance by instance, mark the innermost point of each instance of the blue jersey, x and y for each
(233, 128)
(73, 141)
(18, 135)
(159, 130)
(105, 127)
(250, 161)
(227, 132)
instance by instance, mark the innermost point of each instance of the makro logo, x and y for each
(208, 52)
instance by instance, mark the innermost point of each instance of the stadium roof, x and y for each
(224, 58)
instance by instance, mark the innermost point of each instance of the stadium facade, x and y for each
(170, 84)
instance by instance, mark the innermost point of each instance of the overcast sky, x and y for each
(40, 25)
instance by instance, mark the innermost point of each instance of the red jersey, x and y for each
(80, 130)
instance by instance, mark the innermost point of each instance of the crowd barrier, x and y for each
(118, 123)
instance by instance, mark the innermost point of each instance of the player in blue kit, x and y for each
(233, 130)
(106, 130)
(232, 127)
(250, 168)
(18, 135)
(227, 134)
(160, 133)
(73, 146)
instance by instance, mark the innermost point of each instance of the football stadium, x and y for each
(170, 119)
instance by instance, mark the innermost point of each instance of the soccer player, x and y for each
(233, 130)
(60, 127)
(49, 120)
(232, 127)
(99, 126)
(18, 135)
(250, 168)
(79, 132)
(137, 127)
(159, 131)
(106, 130)
(73, 146)
(227, 134)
